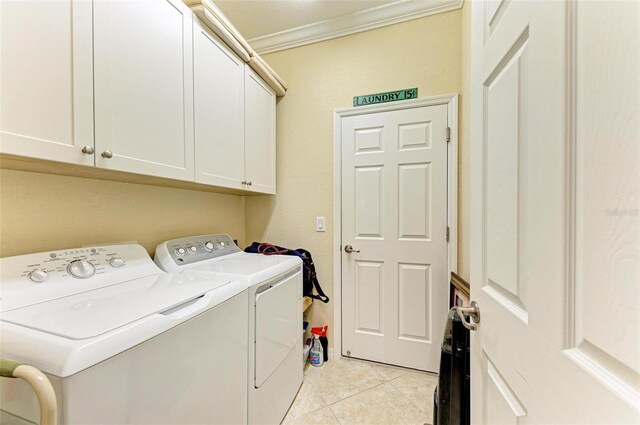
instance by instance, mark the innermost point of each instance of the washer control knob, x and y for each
(208, 246)
(38, 275)
(116, 262)
(180, 251)
(81, 269)
(193, 249)
(221, 244)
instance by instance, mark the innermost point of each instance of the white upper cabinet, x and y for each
(219, 111)
(143, 77)
(46, 80)
(260, 134)
(140, 86)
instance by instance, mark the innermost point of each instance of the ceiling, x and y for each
(259, 18)
(272, 25)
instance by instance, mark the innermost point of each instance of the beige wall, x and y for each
(423, 53)
(40, 212)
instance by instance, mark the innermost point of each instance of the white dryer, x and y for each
(121, 341)
(275, 314)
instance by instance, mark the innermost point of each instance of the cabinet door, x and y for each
(46, 80)
(259, 134)
(219, 111)
(144, 87)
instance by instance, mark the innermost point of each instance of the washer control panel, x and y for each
(81, 263)
(198, 248)
(36, 277)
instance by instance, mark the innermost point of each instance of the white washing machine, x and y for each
(275, 314)
(121, 341)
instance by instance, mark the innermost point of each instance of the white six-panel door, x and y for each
(555, 224)
(394, 215)
(143, 76)
(46, 80)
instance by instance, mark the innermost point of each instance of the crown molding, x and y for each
(393, 13)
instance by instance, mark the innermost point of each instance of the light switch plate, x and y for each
(321, 224)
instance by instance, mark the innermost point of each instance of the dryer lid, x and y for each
(93, 313)
(245, 264)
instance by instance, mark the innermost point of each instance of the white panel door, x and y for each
(219, 110)
(144, 87)
(46, 80)
(259, 134)
(555, 224)
(394, 216)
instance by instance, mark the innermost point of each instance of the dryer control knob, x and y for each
(193, 249)
(180, 251)
(208, 246)
(116, 262)
(82, 269)
(38, 275)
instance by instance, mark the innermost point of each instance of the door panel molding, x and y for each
(451, 101)
(512, 406)
(369, 223)
(414, 182)
(417, 329)
(609, 354)
(368, 281)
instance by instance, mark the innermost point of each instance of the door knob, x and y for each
(88, 150)
(107, 154)
(349, 249)
(472, 312)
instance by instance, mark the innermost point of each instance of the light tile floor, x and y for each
(346, 392)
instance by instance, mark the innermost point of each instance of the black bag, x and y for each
(309, 277)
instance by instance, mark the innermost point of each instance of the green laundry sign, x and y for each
(390, 96)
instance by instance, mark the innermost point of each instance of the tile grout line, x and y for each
(334, 415)
(405, 396)
(346, 398)
(411, 402)
(353, 395)
(359, 392)
(408, 399)
(385, 381)
(375, 386)
(373, 363)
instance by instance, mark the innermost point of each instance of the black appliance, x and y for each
(451, 398)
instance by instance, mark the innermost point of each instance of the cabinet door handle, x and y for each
(88, 150)
(107, 154)
(249, 183)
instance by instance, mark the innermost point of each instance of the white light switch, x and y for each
(321, 225)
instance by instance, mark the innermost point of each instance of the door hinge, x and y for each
(448, 134)
(447, 233)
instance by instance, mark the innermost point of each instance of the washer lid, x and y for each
(96, 312)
